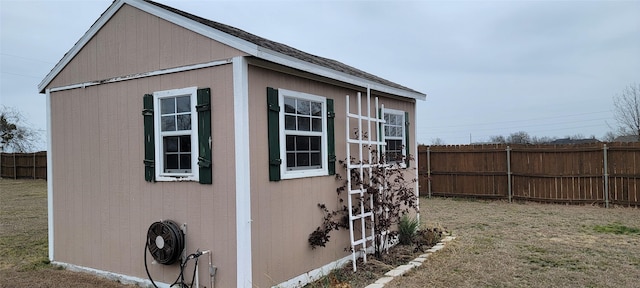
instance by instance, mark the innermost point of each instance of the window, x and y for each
(395, 136)
(301, 142)
(178, 135)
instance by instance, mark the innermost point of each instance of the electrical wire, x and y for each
(146, 246)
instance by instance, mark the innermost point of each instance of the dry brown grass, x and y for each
(24, 244)
(500, 244)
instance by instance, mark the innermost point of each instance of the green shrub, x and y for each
(407, 228)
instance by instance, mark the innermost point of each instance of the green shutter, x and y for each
(149, 140)
(406, 134)
(331, 141)
(274, 136)
(203, 108)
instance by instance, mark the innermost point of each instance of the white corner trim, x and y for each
(243, 168)
(125, 279)
(414, 142)
(49, 179)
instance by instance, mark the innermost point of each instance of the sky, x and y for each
(549, 68)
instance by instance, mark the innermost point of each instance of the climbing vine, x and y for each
(396, 198)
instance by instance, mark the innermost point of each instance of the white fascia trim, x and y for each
(243, 167)
(80, 44)
(174, 18)
(125, 279)
(295, 63)
(142, 75)
(49, 179)
(235, 42)
(197, 27)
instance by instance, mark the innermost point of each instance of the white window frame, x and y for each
(158, 135)
(301, 173)
(400, 113)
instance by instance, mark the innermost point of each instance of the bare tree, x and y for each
(627, 110)
(16, 135)
(437, 141)
(609, 137)
(520, 137)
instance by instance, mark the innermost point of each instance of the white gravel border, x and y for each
(402, 269)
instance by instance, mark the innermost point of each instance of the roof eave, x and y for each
(233, 41)
(295, 63)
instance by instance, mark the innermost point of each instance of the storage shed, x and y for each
(156, 114)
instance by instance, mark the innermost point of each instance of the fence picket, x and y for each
(23, 165)
(595, 173)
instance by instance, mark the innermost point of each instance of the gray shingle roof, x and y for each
(284, 49)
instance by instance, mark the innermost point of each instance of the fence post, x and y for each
(429, 170)
(509, 172)
(606, 177)
(34, 165)
(15, 169)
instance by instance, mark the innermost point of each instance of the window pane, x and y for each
(289, 105)
(316, 124)
(304, 107)
(399, 131)
(185, 161)
(170, 144)
(291, 144)
(386, 131)
(171, 161)
(315, 159)
(168, 123)
(184, 122)
(302, 143)
(290, 122)
(167, 106)
(316, 108)
(315, 143)
(386, 118)
(291, 160)
(185, 143)
(183, 104)
(304, 124)
(302, 159)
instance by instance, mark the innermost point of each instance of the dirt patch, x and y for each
(369, 272)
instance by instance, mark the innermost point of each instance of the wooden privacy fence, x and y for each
(23, 165)
(600, 173)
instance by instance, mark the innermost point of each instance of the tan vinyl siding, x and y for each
(103, 206)
(133, 41)
(284, 213)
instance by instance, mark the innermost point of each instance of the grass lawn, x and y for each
(24, 244)
(498, 244)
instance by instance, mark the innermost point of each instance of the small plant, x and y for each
(407, 229)
(427, 237)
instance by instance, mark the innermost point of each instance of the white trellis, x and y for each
(362, 139)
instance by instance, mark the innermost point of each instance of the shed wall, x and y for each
(134, 41)
(103, 206)
(284, 213)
